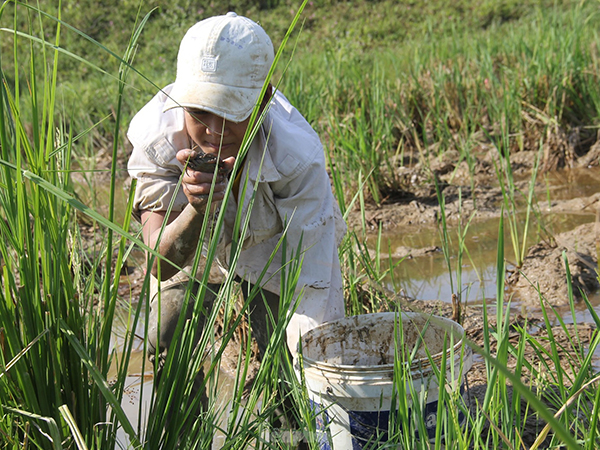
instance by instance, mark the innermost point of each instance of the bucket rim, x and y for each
(422, 365)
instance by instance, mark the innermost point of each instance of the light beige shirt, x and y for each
(287, 182)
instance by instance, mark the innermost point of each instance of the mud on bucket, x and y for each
(349, 373)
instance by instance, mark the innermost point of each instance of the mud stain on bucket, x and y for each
(349, 368)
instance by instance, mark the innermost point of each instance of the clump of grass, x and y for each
(58, 303)
(55, 312)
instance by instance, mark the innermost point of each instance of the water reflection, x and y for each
(567, 184)
(137, 399)
(430, 278)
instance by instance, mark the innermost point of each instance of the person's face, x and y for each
(213, 134)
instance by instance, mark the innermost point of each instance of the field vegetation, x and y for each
(385, 83)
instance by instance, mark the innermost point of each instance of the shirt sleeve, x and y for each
(156, 137)
(156, 193)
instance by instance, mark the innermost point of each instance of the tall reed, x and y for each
(56, 342)
(58, 310)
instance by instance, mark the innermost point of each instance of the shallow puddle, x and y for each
(136, 403)
(428, 277)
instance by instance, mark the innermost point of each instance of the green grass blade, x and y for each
(101, 383)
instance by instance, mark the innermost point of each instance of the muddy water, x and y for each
(428, 277)
(563, 185)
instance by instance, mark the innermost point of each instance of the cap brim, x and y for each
(231, 103)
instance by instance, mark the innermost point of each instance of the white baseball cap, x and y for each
(222, 64)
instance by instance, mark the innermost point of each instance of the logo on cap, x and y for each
(209, 64)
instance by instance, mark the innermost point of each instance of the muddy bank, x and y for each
(543, 275)
(468, 192)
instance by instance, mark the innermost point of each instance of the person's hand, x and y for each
(197, 184)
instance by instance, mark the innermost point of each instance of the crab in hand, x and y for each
(205, 162)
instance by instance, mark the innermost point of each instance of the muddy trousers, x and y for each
(171, 303)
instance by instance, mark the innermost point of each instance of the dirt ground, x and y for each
(543, 272)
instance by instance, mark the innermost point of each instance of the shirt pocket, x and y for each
(264, 221)
(163, 154)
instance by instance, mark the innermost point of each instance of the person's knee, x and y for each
(165, 311)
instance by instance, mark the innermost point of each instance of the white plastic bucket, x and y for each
(349, 369)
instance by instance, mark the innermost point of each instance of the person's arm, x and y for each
(179, 238)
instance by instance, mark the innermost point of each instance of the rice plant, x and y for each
(55, 305)
(58, 308)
